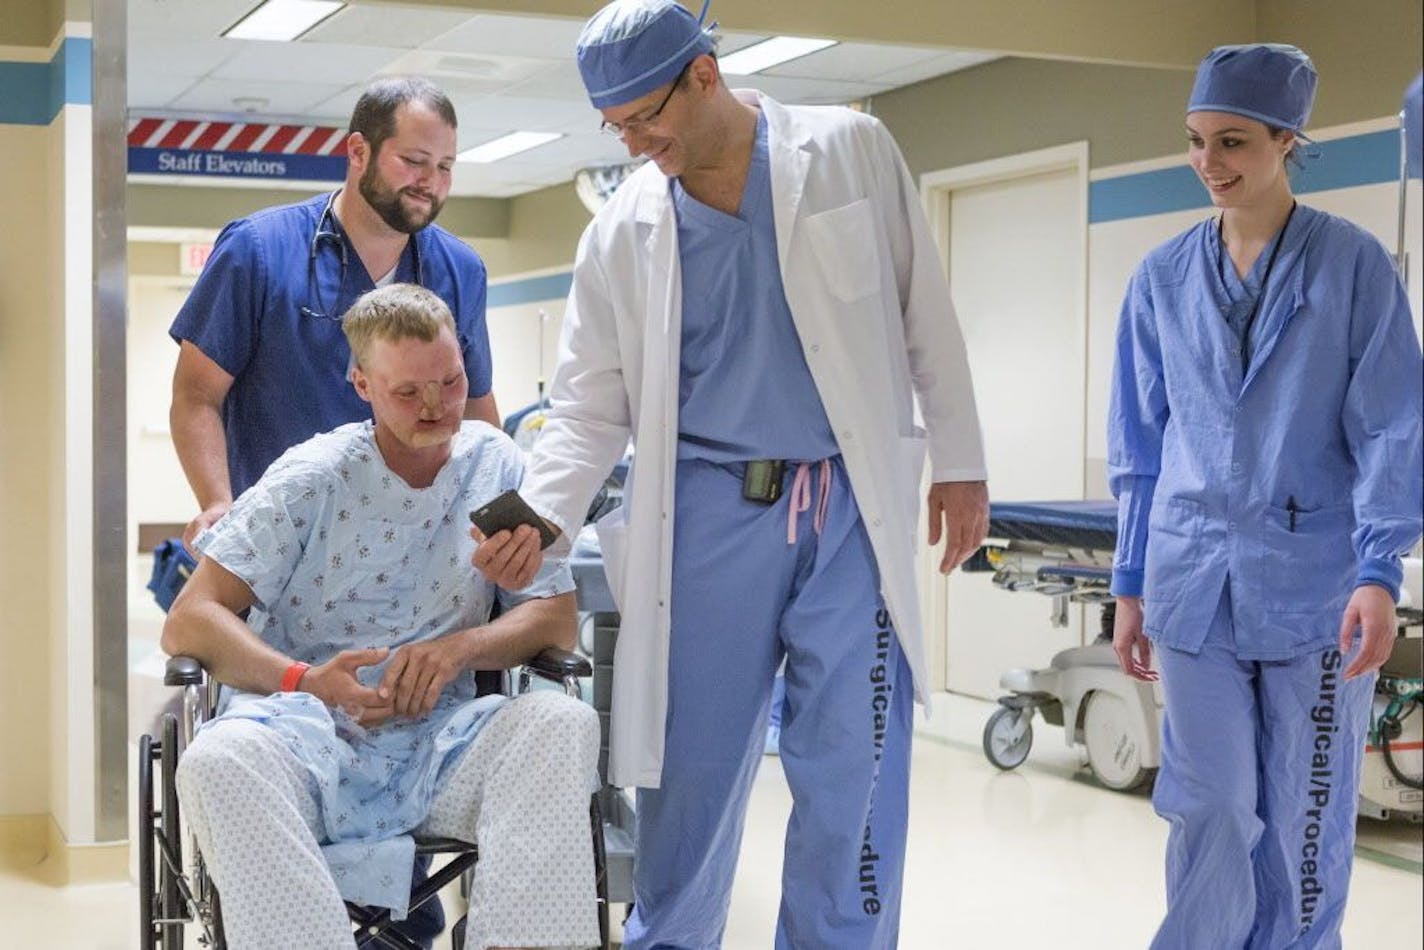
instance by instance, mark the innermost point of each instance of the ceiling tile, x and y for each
(404, 26)
(299, 62)
(185, 18)
(283, 98)
(807, 91)
(508, 113)
(853, 61)
(555, 81)
(156, 91)
(541, 37)
(163, 56)
(945, 62)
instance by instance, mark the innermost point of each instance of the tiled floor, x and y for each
(1039, 857)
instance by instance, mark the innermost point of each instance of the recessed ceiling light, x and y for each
(282, 20)
(769, 53)
(507, 145)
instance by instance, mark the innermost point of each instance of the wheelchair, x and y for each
(176, 892)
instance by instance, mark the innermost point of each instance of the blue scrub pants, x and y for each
(742, 599)
(1259, 780)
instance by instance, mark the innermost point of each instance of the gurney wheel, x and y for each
(1114, 754)
(1008, 735)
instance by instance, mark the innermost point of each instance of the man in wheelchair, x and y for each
(350, 722)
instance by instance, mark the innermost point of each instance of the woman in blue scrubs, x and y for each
(1264, 447)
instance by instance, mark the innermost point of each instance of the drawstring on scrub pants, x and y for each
(801, 498)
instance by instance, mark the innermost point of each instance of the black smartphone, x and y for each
(507, 512)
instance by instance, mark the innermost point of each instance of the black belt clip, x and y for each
(762, 480)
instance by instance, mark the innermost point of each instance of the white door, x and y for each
(1016, 270)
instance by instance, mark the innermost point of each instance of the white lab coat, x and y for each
(871, 306)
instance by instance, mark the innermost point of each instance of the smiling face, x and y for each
(1239, 160)
(407, 179)
(662, 126)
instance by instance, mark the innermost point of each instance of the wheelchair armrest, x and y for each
(556, 665)
(182, 671)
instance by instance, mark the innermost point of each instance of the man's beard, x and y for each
(386, 202)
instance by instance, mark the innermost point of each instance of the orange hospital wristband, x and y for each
(293, 676)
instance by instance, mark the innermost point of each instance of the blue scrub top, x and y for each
(1299, 477)
(289, 369)
(745, 391)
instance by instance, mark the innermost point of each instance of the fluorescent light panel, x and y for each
(769, 53)
(282, 20)
(507, 145)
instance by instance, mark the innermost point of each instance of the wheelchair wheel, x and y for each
(170, 864)
(600, 871)
(148, 895)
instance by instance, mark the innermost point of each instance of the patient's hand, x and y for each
(1371, 611)
(419, 673)
(1133, 649)
(334, 683)
(509, 559)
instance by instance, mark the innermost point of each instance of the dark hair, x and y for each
(375, 113)
(1292, 158)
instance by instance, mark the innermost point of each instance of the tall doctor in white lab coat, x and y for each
(758, 308)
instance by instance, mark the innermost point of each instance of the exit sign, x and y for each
(192, 257)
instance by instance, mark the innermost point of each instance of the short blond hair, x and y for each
(395, 312)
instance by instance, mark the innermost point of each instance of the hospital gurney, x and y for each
(1064, 550)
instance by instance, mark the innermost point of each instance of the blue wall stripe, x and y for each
(530, 289)
(33, 93)
(1367, 159)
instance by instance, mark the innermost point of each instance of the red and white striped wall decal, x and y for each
(250, 137)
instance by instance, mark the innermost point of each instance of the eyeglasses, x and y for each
(619, 129)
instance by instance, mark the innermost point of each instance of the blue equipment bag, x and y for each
(172, 566)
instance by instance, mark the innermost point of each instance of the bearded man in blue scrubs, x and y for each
(263, 364)
(761, 309)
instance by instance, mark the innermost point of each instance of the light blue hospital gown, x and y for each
(340, 554)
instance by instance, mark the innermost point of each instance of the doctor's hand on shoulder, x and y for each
(1133, 649)
(1371, 612)
(509, 559)
(959, 511)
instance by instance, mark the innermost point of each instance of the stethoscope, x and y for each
(1265, 281)
(333, 235)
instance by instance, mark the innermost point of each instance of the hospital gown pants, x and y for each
(743, 597)
(520, 792)
(1259, 780)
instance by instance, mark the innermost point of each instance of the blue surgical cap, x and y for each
(632, 47)
(1413, 133)
(1270, 82)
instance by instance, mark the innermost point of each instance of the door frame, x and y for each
(936, 194)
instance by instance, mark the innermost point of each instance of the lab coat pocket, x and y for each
(1307, 559)
(1173, 534)
(845, 254)
(912, 473)
(612, 531)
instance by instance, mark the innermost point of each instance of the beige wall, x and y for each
(1366, 52)
(1018, 105)
(29, 420)
(544, 230)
